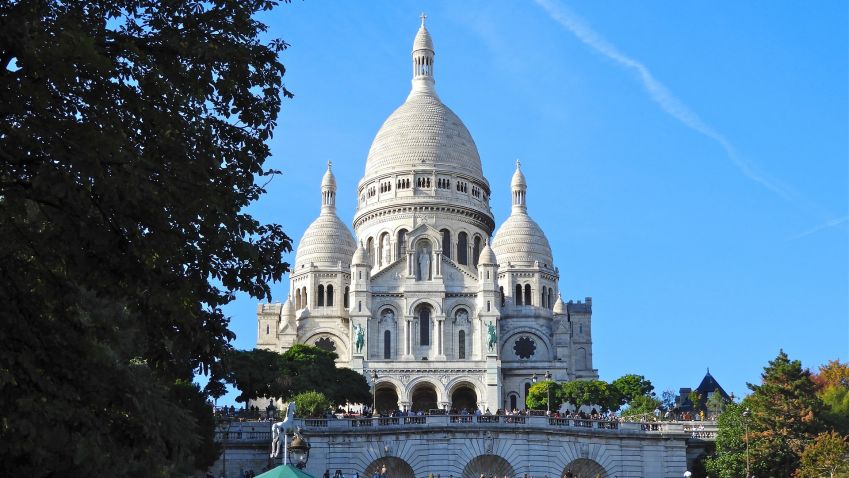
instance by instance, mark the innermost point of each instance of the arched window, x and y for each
(345, 300)
(518, 294)
(370, 251)
(306, 301)
(528, 295)
(446, 243)
(387, 345)
(461, 345)
(424, 325)
(402, 243)
(501, 291)
(550, 298)
(298, 299)
(329, 295)
(476, 250)
(512, 402)
(463, 248)
(320, 296)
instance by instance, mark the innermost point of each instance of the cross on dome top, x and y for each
(423, 16)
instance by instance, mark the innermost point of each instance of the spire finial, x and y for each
(518, 164)
(423, 16)
(329, 164)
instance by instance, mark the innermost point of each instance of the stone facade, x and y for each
(420, 297)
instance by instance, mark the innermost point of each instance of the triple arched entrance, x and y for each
(423, 397)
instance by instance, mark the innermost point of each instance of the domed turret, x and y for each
(559, 306)
(487, 256)
(360, 256)
(327, 241)
(520, 240)
(287, 314)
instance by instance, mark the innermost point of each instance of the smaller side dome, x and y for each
(423, 40)
(559, 307)
(287, 313)
(360, 256)
(487, 256)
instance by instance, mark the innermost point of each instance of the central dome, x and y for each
(423, 133)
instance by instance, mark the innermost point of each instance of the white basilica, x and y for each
(420, 299)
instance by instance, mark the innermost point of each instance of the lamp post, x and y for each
(746, 414)
(224, 425)
(299, 451)
(374, 391)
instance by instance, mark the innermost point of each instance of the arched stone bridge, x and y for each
(466, 446)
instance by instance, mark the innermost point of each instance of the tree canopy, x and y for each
(133, 136)
(785, 416)
(303, 368)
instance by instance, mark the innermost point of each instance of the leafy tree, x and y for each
(539, 392)
(827, 455)
(696, 400)
(310, 404)
(786, 413)
(729, 461)
(833, 382)
(667, 400)
(590, 393)
(832, 374)
(715, 403)
(641, 405)
(632, 386)
(132, 135)
(263, 373)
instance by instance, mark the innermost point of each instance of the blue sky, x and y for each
(687, 160)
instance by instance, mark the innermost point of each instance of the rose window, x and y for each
(326, 344)
(524, 347)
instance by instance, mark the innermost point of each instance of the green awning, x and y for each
(287, 471)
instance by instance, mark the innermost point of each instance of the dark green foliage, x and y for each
(642, 405)
(591, 393)
(785, 415)
(632, 386)
(131, 136)
(310, 404)
(539, 393)
(262, 373)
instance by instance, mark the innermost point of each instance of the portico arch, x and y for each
(390, 466)
(463, 397)
(488, 465)
(584, 467)
(386, 397)
(424, 396)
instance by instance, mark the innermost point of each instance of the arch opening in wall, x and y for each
(464, 398)
(528, 300)
(298, 299)
(514, 401)
(501, 293)
(584, 467)
(402, 243)
(581, 358)
(424, 314)
(306, 298)
(385, 398)
(476, 250)
(392, 466)
(370, 250)
(518, 294)
(463, 248)
(329, 295)
(387, 345)
(320, 296)
(423, 398)
(347, 300)
(488, 465)
(385, 253)
(461, 344)
(446, 243)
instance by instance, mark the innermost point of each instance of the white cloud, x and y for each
(660, 94)
(828, 224)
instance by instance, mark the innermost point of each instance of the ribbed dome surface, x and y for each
(521, 241)
(487, 256)
(559, 307)
(423, 40)
(326, 241)
(423, 132)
